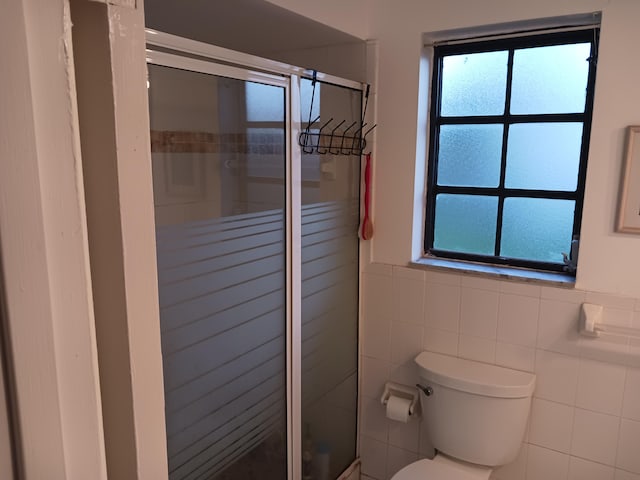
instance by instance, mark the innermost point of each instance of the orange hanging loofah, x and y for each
(366, 228)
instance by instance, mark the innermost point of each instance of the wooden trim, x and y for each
(121, 3)
(628, 215)
(44, 248)
(9, 429)
(112, 98)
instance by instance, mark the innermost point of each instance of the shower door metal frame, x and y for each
(292, 230)
(224, 56)
(200, 57)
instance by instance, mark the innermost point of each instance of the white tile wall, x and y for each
(408, 296)
(519, 288)
(373, 455)
(515, 356)
(440, 341)
(595, 436)
(631, 402)
(377, 314)
(557, 328)
(557, 377)
(551, 425)
(406, 341)
(373, 422)
(628, 457)
(516, 470)
(546, 464)
(580, 469)
(479, 313)
(518, 319)
(442, 307)
(623, 475)
(585, 418)
(476, 348)
(600, 386)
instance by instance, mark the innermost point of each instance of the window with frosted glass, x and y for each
(509, 131)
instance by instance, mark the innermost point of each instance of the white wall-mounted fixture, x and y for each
(591, 324)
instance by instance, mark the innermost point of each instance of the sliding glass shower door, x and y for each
(257, 254)
(219, 169)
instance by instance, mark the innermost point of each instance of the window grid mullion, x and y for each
(436, 95)
(512, 119)
(503, 159)
(508, 192)
(586, 135)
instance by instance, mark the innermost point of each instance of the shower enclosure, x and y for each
(257, 254)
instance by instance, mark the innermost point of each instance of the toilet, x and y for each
(476, 416)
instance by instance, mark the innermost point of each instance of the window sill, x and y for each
(555, 279)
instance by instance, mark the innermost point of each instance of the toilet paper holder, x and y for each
(404, 391)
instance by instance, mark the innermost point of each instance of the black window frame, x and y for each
(589, 35)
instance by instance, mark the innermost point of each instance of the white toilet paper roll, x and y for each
(398, 408)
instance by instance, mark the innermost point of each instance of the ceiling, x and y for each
(251, 26)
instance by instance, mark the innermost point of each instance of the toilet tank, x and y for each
(476, 412)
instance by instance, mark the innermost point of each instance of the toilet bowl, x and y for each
(442, 468)
(475, 415)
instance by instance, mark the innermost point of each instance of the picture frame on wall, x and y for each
(629, 205)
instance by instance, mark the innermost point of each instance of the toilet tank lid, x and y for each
(475, 377)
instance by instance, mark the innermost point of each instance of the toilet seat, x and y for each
(441, 468)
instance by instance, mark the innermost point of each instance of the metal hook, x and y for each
(342, 141)
(311, 123)
(305, 137)
(353, 144)
(331, 139)
(357, 138)
(367, 132)
(320, 137)
(303, 141)
(363, 143)
(357, 132)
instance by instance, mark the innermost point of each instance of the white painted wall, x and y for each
(347, 60)
(606, 258)
(350, 16)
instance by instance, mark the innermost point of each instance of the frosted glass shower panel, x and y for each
(218, 177)
(330, 202)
